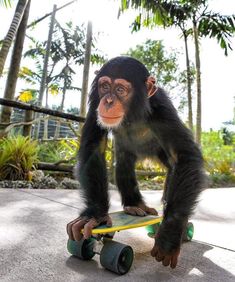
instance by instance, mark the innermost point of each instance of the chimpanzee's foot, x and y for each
(140, 210)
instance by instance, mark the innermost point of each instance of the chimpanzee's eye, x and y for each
(120, 90)
(105, 86)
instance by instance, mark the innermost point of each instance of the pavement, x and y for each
(33, 240)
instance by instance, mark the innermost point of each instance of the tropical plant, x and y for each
(219, 158)
(164, 14)
(162, 64)
(33, 78)
(18, 157)
(67, 50)
(227, 136)
(49, 152)
(181, 13)
(6, 3)
(56, 151)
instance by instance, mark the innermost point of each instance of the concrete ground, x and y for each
(33, 240)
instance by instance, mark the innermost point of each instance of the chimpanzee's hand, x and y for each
(168, 242)
(140, 210)
(74, 228)
(166, 258)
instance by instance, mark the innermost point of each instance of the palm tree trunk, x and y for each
(28, 127)
(46, 59)
(44, 73)
(198, 80)
(15, 66)
(19, 12)
(189, 86)
(86, 70)
(45, 128)
(57, 129)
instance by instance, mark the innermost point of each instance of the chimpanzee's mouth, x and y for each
(107, 117)
(110, 121)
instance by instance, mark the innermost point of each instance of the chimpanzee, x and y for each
(125, 100)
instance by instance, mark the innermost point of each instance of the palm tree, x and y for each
(165, 14)
(206, 23)
(178, 13)
(19, 12)
(67, 49)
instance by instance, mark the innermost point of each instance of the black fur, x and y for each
(151, 128)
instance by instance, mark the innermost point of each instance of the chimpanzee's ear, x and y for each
(151, 86)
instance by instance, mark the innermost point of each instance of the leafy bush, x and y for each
(18, 155)
(54, 151)
(219, 158)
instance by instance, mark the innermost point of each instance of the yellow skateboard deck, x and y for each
(123, 221)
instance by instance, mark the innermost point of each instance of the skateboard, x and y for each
(115, 256)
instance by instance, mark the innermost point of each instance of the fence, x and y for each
(29, 120)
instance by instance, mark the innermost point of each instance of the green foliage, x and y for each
(55, 151)
(214, 25)
(67, 50)
(18, 156)
(158, 61)
(227, 136)
(166, 13)
(219, 158)
(6, 3)
(151, 12)
(69, 46)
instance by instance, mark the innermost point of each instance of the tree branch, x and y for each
(48, 14)
(38, 109)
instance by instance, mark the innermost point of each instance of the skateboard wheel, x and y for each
(116, 257)
(189, 231)
(82, 249)
(152, 229)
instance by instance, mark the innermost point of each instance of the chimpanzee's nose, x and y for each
(109, 100)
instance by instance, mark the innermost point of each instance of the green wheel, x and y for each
(116, 257)
(84, 249)
(152, 229)
(189, 231)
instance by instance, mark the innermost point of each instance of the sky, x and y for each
(115, 38)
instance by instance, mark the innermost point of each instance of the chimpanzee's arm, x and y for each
(91, 171)
(92, 168)
(185, 178)
(127, 184)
